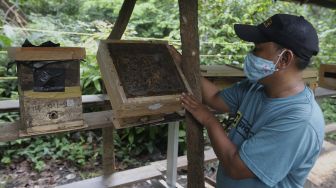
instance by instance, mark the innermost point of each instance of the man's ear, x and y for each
(286, 59)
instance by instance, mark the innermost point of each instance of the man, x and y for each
(278, 129)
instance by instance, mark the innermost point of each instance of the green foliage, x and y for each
(9, 117)
(61, 147)
(328, 107)
(83, 23)
(4, 41)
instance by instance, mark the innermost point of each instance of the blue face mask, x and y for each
(257, 68)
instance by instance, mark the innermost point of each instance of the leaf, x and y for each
(131, 138)
(6, 160)
(97, 85)
(150, 147)
(4, 41)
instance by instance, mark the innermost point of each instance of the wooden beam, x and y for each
(93, 120)
(117, 32)
(87, 101)
(128, 177)
(123, 19)
(43, 54)
(191, 69)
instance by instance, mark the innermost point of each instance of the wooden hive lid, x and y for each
(45, 53)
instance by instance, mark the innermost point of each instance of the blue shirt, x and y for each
(279, 139)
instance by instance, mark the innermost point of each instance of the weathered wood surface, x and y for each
(116, 33)
(123, 19)
(43, 53)
(234, 71)
(154, 90)
(127, 177)
(191, 68)
(327, 76)
(87, 101)
(50, 95)
(93, 120)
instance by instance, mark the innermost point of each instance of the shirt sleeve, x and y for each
(234, 95)
(277, 148)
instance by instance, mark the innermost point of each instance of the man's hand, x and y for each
(200, 112)
(225, 150)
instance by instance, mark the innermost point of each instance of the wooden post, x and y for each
(123, 19)
(117, 31)
(191, 69)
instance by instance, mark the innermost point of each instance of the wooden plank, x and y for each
(109, 76)
(116, 33)
(127, 177)
(88, 183)
(221, 71)
(321, 169)
(323, 92)
(327, 76)
(87, 100)
(43, 53)
(108, 151)
(232, 71)
(191, 68)
(93, 120)
(123, 19)
(122, 178)
(136, 175)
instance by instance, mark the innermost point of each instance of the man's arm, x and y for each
(210, 94)
(226, 151)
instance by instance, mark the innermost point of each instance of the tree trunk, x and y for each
(191, 69)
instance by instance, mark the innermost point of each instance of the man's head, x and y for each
(291, 33)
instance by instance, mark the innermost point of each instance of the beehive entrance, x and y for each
(146, 69)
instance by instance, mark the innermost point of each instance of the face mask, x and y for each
(256, 68)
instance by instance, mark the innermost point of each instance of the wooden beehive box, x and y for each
(327, 76)
(49, 88)
(142, 80)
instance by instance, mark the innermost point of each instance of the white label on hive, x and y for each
(155, 106)
(70, 103)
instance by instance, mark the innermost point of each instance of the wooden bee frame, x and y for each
(142, 79)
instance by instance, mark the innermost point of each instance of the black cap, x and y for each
(292, 32)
